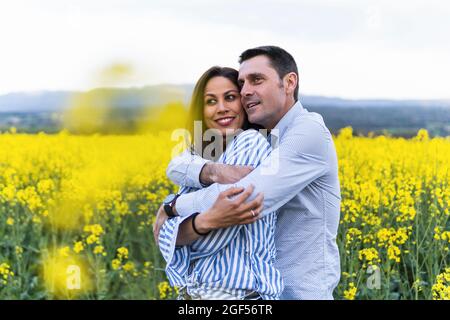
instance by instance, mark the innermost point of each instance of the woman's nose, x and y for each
(221, 107)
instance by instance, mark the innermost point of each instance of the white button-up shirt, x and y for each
(300, 181)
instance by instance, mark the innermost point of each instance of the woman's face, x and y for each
(222, 106)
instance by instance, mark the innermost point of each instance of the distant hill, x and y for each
(162, 94)
(320, 101)
(120, 97)
(43, 111)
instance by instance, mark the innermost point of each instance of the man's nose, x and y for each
(246, 90)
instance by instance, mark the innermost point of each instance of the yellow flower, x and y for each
(10, 221)
(116, 264)
(92, 239)
(346, 133)
(369, 254)
(422, 135)
(122, 253)
(99, 250)
(441, 289)
(352, 234)
(78, 247)
(164, 289)
(129, 266)
(5, 273)
(394, 253)
(94, 229)
(350, 293)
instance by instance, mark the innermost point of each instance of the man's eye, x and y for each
(257, 79)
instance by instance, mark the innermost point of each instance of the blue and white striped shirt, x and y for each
(236, 260)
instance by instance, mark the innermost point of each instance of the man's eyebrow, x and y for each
(251, 75)
(256, 74)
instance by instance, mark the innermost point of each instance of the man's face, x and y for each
(262, 92)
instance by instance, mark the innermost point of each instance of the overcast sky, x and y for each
(353, 49)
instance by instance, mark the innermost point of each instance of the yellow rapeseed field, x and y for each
(76, 215)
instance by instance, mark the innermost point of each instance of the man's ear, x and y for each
(290, 82)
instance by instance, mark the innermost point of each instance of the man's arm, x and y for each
(301, 158)
(193, 171)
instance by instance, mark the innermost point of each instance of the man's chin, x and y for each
(255, 120)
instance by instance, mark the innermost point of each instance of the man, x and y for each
(304, 188)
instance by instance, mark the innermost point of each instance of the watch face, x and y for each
(169, 198)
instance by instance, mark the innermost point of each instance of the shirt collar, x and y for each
(286, 120)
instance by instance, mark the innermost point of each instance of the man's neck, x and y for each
(286, 109)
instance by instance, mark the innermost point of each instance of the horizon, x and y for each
(43, 91)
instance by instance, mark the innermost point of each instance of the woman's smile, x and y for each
(225, 121)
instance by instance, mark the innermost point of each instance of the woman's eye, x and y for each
(211, 102)
(230, 97)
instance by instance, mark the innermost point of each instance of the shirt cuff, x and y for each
(173, 239)
(194, 169)
(185, 204)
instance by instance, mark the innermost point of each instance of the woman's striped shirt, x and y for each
(236, 260)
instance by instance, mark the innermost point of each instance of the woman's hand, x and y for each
(161, 217)
(228, 212)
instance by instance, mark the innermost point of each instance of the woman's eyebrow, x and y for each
(210, 94)
(230, 91)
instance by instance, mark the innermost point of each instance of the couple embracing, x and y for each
(256, 216)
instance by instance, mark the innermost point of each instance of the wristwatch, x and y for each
(169, 203)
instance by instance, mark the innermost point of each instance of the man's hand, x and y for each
(223, 173)
(229, 212)
(161, 217)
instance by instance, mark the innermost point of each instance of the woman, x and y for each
(236, 262)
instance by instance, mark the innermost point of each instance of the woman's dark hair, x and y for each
(197, 104)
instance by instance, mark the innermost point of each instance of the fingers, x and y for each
(155, 234)
(245, 194)
(232, 191)
(255, 203)
(160, 219)
(253, 213)
(156, 228)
